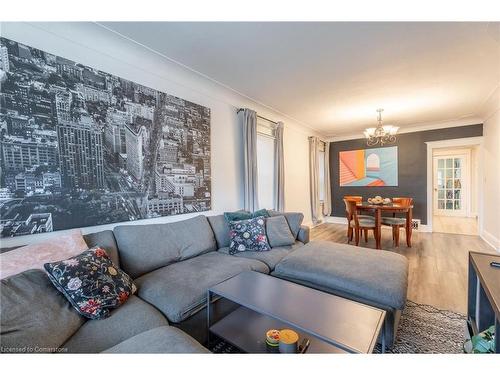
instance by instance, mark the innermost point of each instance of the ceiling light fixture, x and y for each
(381, 134)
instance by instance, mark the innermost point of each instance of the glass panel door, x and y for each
(448, 185)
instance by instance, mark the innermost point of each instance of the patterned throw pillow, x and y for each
(91, 282)
(248, 235)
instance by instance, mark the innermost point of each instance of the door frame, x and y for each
(449, 143)
(466, 177)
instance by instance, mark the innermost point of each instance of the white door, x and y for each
(450, 185)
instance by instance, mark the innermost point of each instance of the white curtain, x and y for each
(327, 200)
(279, 169)
(248, 118)
(314, 179)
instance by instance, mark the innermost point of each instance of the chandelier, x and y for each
(381, 134)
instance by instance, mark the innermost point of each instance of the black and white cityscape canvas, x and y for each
(81, 147)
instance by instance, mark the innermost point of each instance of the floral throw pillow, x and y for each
(248, 235)
(91, 282)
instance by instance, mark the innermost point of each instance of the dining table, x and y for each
(393, 208)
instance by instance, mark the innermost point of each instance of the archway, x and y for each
(373, 162)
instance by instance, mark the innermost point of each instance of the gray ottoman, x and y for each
(375, 277)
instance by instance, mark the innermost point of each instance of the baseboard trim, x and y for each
(490, 240)
(343, 220)
(425, 228)
(335, 220)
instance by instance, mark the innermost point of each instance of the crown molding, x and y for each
(491, 104)
(416, 128)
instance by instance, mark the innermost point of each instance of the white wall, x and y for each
(92, 45)
(490, 230)
(474, 189)
(297, 196)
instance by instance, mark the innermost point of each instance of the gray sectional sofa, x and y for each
(176, 277)
(172, 265)
(36, 318)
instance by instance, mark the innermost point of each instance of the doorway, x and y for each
(450, 185)
(455, 184)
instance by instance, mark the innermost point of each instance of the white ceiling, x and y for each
(333, 76)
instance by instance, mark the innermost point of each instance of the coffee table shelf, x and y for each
(246, 330)
(333, 324)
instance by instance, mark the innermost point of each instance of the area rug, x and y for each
(427, 329)
(423, 329)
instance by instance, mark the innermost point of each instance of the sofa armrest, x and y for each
(303, 235)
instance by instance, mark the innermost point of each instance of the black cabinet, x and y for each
(483, 304)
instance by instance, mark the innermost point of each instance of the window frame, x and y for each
(267, 129)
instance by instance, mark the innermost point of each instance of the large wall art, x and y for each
(370, 167)
(81, 147)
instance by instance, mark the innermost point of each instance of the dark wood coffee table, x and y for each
(332, 324)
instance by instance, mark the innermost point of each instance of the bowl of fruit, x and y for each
(379, 200)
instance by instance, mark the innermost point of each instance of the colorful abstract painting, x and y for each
(371, 167)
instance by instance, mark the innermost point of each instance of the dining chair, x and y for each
(357, 199)
(356, 223)
(397, 222)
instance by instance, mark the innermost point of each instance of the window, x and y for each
(265, 163)
(321, 172)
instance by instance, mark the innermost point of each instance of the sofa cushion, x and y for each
(134, 317)
(34, 256)
(374, 275)
(294, 220)
(34, 314)
(105, 240)
(91, 282)
(304, 234)
(221, 230)
(144, 248)
(244, 215)
(159, 340)
(270, 258)
(248, 235)
(278, 232)
(180, 289)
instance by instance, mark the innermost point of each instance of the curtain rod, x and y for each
(262, 117)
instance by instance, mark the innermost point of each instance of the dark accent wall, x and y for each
(412, 168)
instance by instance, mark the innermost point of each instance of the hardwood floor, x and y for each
(457, 225)
(438, 262)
